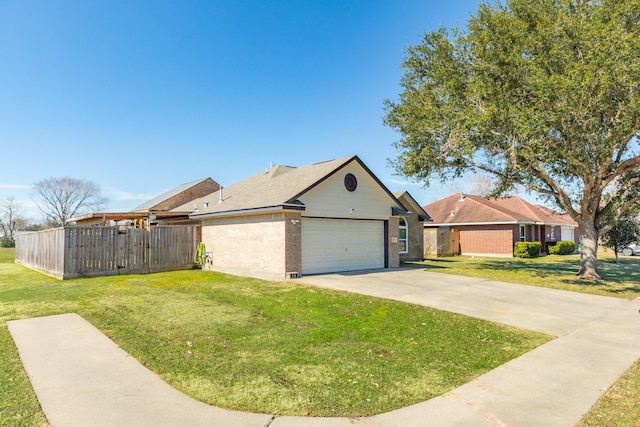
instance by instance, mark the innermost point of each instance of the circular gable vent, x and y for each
(350, 182)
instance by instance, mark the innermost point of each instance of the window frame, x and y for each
(404, 227)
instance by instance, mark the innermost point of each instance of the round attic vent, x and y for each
(350, 182)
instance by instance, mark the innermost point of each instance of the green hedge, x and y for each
(527, 249)
(6, 242)
(563, 247)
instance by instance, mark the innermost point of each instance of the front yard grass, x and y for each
(254, 345)
(553, 271)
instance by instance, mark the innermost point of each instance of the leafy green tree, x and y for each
(618, 237)
(542, 94)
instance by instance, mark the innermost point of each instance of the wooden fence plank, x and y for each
(42, 251)
(101, 251)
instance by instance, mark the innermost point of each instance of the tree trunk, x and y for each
(589, 255)
(615, 251)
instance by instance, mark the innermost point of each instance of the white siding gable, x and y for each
(330, 198)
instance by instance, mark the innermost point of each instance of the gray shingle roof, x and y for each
(415, 206)
(278, 186)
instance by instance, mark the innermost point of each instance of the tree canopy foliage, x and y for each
(61, 199)
(623, 233)
(542, 94)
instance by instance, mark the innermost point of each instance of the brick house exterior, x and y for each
(491, 227)
(291, 221)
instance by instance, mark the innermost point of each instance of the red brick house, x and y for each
(474, 225)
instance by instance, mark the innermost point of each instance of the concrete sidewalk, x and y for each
(82, 378)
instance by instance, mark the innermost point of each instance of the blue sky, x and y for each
(142, 96)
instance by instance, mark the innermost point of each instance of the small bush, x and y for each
(563, 247)
(7, 242)
(526, 249)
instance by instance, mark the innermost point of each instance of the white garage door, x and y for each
(331, 245)
(567, 233)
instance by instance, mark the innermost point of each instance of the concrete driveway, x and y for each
(553, 385)
(539, 309)
(83, 379)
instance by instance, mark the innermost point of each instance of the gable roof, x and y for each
(413, 205)
(278, 187)
(179, 195)
(460, 209)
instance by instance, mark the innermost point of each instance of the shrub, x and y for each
(7, 242)
(526, 249)
(563, 247)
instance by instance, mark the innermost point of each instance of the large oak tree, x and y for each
(543, 94)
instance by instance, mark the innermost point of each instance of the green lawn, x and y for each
(554, 271)
(248, 344)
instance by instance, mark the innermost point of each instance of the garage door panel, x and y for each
(567, 233)
(341, 245)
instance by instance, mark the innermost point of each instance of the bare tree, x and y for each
(479, 184)
(10, 220)
(61, 199)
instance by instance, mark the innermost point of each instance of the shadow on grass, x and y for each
(622, 278)
(533, 266)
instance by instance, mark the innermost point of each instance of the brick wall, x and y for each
(415, 234)
(488, 239)
(201, 189)
(293, 244)
(392, 235)
(253, 245)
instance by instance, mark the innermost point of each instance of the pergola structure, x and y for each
(141, 219)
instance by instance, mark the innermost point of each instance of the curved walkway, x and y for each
(83, 379)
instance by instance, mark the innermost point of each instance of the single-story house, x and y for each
(473, 225)
(332, 216)
(288, 221)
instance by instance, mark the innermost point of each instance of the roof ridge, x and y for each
(509, 212)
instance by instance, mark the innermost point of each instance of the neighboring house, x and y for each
(474, 225)
(161, 207)
(179, 195)
(411, 228)
(287, 221)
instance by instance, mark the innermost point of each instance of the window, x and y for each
(523, 236)
(402, 236)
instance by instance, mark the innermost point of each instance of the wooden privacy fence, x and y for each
(71, 252)
(441, 242)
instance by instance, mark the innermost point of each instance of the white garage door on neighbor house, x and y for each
(333, 245)
(567, 233)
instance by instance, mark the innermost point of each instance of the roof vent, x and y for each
(221, 198)
(462, 197)
(452, 213)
